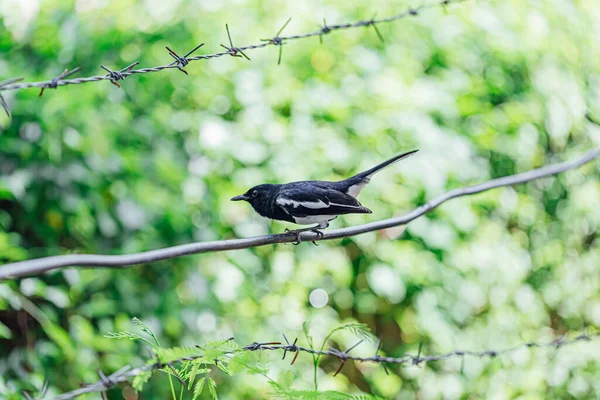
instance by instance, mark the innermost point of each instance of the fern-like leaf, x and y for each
(309, 339)
(223, 367)
(285, 379)
(140, 380)
(212, 388)
(195, 371)
(357, 329)
(183, 371)
(168, 355)
(127, 335)
(293, 394)
(146, 330)
(198, 388)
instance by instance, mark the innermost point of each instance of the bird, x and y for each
(312, 202)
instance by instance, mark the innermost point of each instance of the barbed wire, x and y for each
(37, 266)
(181, 61)
(124, 374)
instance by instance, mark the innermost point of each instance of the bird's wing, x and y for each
(311, 199)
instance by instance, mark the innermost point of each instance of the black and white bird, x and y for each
(312, 202)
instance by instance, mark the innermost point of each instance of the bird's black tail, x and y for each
(367, 174)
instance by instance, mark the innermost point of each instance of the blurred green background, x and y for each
(482, 88)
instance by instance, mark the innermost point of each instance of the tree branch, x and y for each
(40, 265)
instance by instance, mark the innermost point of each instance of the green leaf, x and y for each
(358, 329)
(5, 333)
(127, 335)
(305, 328)
(365, 396)
(218, 348)
(61, 338)
(145, 329)
(285, 379)
(196, 370)
(240, 362)
(185, 366)
(212, 388)
(167, 355)
(292, 394)
(198, 388)
(140, 380)
(221, 365)
(5, 192)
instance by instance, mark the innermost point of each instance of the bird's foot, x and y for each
(297, 232)
(319, 235)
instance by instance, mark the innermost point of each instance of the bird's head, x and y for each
(256, 195)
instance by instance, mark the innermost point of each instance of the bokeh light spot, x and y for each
(318, 298)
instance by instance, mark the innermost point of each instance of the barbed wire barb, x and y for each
(324, 30)
(54, 82)
(417, 359)
(277, 41)
(233, 51)
(118, 75)
(181, 62)
(343, 355)
(3, 85)
(378, 358)
(374, 25)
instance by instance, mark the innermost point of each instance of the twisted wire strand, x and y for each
(40, 265)
(326, 29)
(123, 374)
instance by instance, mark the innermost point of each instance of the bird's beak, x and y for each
(238, 198)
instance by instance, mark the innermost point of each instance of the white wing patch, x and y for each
(308, 204)
(354, 190)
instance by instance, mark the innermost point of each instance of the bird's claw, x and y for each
(299, 231)
(297, 241)
(319, 235)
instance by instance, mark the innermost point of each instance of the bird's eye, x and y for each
(254, 193)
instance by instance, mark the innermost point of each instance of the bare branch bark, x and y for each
(40, 265)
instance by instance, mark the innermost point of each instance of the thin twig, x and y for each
(180, 62)
(40, 265)
(125, 373)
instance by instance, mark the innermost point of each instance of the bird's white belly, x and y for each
(314, 219)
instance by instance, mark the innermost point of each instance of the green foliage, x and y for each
(199, 387)
(140, 380)
(194, 364)
(212, 388)
(144, 328)
(357, 329)
(292, 394)
(211, 353)
(483, 89)
(127, 335)
(307, 335)
(5, 332)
